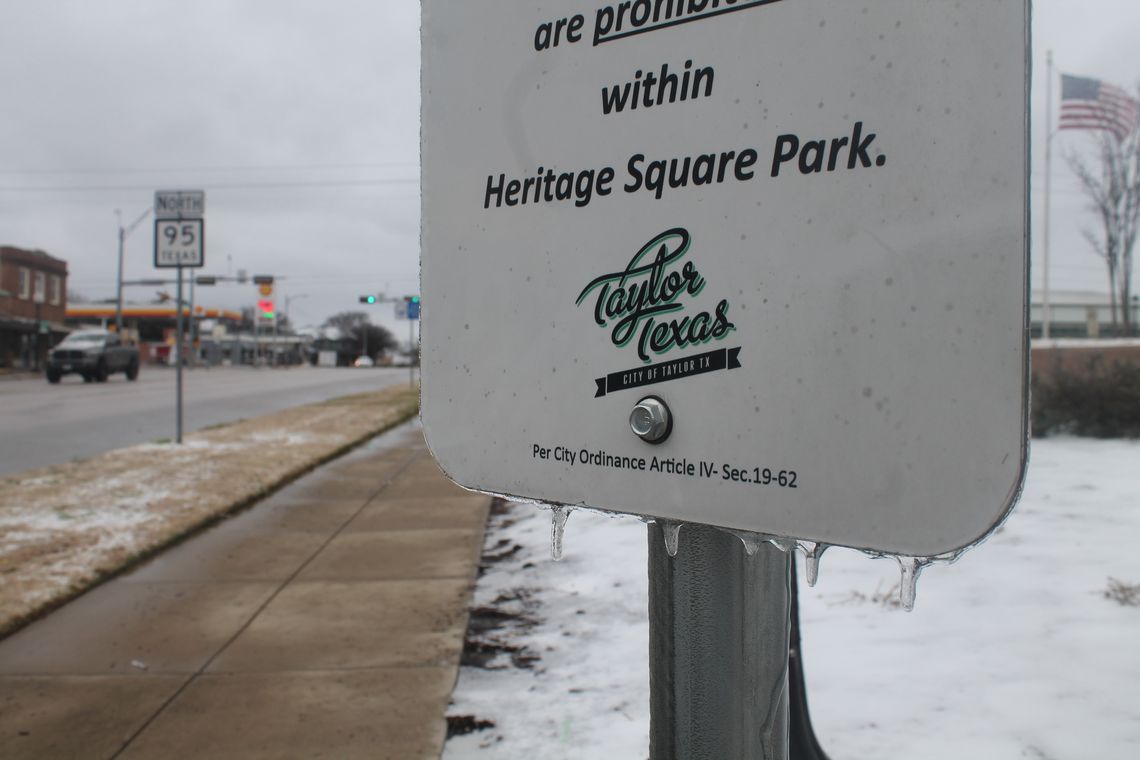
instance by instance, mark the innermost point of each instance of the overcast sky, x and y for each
(300, 119)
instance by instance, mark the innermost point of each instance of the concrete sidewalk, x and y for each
(327, 621)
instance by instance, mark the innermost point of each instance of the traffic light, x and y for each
(263, 279)
(204, 279)
(265, 308)
(368, 299)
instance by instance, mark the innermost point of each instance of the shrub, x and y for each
(1100, 399)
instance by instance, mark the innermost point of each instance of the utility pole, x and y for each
(193, 329)
(36, 351)
(123, 232)
(289, 299)
(1046, 315)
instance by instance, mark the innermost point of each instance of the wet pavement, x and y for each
(51, 424)
(327, 621)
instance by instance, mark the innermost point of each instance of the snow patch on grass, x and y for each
(63, 527)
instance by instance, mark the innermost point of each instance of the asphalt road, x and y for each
(42, 424)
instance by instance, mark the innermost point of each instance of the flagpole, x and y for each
(1045, 311)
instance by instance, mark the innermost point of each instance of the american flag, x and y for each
(1092, 104)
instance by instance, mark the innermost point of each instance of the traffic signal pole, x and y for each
(412, 307)
(368, 299)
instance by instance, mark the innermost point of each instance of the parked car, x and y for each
(94, 354)
(364, 361)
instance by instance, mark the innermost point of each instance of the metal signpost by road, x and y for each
(412, 312)
(409, 308)
(179, 242)
(757, 267)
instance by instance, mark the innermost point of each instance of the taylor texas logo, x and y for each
(645, 305)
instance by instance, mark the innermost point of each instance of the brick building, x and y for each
(33, 301)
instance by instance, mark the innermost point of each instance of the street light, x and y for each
(289, 299)
(123, 232)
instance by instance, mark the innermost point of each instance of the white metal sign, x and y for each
(799, 225)
(179, 204)
(179, 243)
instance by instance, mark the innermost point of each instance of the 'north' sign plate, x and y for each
(801, 224)
(179, 204)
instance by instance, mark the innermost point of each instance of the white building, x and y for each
(1077, 314)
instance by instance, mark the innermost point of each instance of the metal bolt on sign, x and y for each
(651, 420)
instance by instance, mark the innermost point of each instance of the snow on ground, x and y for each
(588, 693)
(1020, 650)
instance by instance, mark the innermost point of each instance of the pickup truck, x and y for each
(94, 354)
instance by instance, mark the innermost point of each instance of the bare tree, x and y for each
(370, 339)
(1112, 185)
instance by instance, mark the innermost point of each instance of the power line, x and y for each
(293, 278)
(231, 168)
(217, 186)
